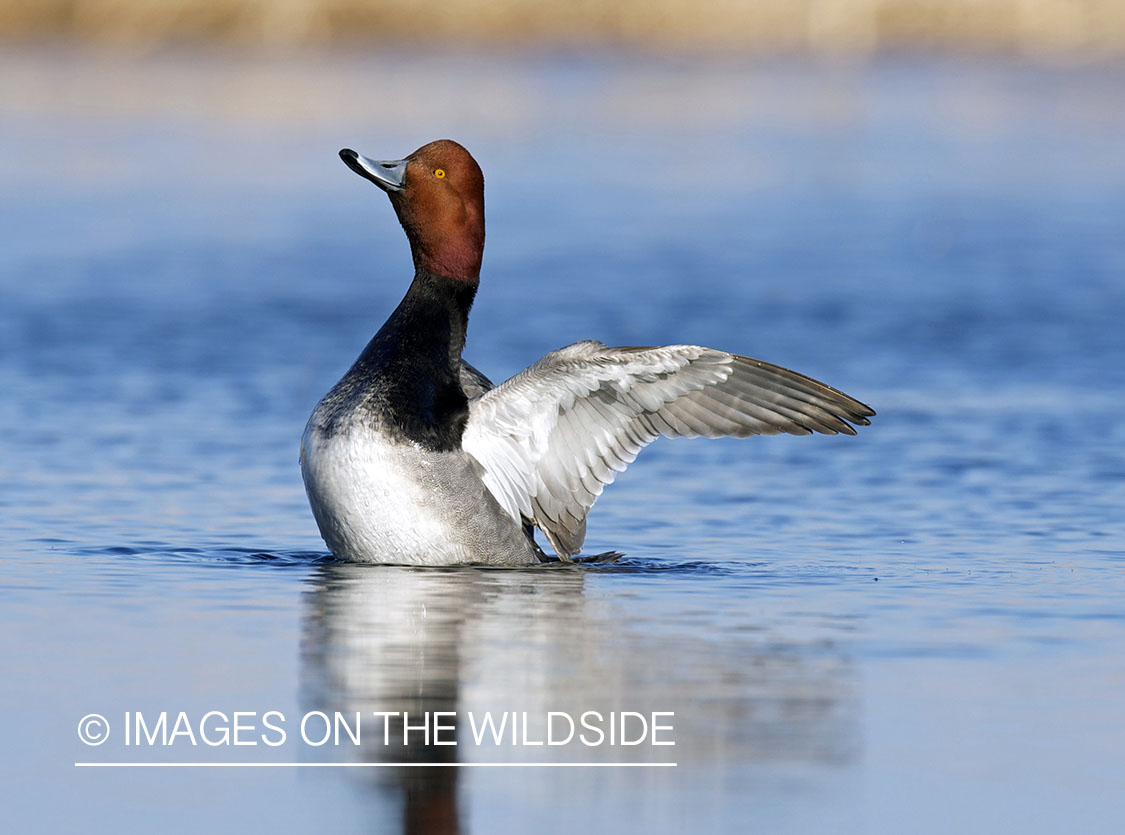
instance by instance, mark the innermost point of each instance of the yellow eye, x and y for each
(439, 172)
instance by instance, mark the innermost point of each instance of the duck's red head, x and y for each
(438, 195)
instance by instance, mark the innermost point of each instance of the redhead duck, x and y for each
(415, 457)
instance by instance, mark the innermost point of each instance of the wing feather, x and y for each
(551, 438)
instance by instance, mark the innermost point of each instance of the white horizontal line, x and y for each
(370, 765)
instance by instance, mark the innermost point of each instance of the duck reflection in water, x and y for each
(401, 640)
(388, 639)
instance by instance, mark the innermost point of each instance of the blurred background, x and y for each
(919, 202)
(1039, 27)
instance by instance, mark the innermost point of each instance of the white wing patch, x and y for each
(552, 437)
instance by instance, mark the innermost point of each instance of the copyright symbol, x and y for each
(93, 729)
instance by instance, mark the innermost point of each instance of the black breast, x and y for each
(407, 381)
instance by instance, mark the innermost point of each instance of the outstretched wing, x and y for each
(553, 436)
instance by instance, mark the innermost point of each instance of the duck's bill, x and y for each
(389, 175)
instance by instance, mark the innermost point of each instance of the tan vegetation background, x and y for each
(1050, 27)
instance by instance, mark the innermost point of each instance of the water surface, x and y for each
(917, 629)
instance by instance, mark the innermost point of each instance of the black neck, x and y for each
(407, 380)
(430, 322)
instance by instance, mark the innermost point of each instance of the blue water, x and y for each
(918, 629)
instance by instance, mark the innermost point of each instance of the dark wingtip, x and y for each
(859, 417)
